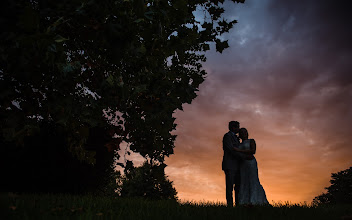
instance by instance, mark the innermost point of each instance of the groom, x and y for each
(231, 162)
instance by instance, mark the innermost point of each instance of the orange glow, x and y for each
(294, 165)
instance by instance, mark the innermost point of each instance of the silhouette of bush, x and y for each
(340, 190)
(147, 181)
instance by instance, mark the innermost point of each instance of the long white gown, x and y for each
(251, 192)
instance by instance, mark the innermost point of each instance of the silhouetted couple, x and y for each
(240, 167)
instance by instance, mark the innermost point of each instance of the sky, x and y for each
(286, 78)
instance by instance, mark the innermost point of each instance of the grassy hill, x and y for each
(36, 206)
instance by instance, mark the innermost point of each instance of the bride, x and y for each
(250, 192)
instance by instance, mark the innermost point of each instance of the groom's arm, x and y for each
(228, 146)
(252, 149)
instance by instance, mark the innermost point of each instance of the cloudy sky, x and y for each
(287, 78)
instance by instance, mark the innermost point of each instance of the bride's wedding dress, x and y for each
(251, 192)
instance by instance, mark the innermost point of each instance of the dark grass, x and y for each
(46, 206)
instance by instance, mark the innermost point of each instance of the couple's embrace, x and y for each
(240, 167)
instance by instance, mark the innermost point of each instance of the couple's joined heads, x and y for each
(234, 126)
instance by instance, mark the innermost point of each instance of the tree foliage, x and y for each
(147, 181)
(125, 65)
(340, 190)
(44, 164)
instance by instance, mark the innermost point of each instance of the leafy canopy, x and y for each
(126, 65)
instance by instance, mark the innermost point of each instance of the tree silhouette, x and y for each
(122, 66)
(44, 164)
(147, 181)
(67, 62)
(340, 190)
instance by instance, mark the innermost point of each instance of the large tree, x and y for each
(121, 67)
(122, 64)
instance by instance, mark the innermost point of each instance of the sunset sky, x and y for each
(287, 78)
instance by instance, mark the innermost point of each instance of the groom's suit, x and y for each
(231, 163)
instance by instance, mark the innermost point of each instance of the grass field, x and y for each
(35, 206)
